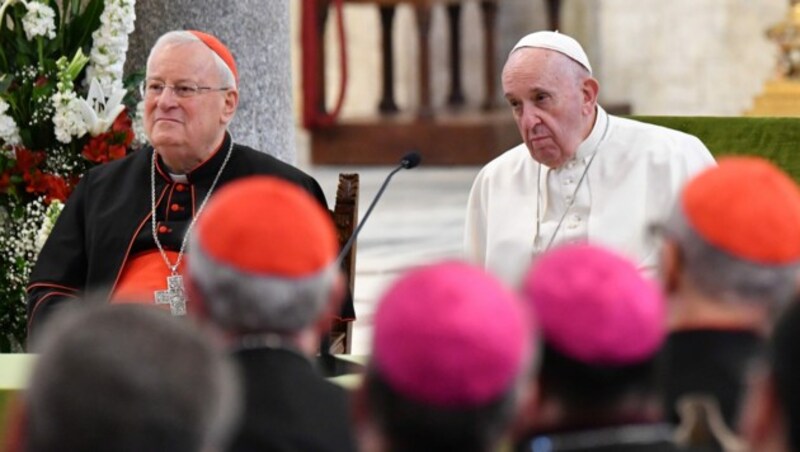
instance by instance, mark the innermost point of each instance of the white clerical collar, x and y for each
(590, 144)
(179, 178)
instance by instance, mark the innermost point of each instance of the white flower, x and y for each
(6, 4)
(110, 43)
(139, 135)
(39, 20)
(98, 110)
(9, 132)
(67, 119)
(50, 217)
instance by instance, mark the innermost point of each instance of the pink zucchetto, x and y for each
(558, 42)
(594, 306)
(450, 336)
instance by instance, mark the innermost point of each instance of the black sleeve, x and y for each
(59, 275)
(312, 186)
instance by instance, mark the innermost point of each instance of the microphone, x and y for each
(328, 364)
(410, 160)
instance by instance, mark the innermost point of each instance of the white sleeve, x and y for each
(475, 225)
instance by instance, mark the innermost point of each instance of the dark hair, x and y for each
(127, 378)
(588, 390)
(785, 362)
(412, 426)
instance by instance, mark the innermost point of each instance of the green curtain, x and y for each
(776, 139)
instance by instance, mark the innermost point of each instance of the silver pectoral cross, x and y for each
(174, 296)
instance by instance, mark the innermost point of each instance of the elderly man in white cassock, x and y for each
(580, 174)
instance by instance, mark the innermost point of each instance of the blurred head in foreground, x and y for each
(451, 353)
(128, 378)
(602, 326)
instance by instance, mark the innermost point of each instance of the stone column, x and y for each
(257, 33)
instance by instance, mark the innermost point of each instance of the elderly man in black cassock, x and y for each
(123, 231)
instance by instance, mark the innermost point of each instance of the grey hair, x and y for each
(129, 377)
(720, 275)
(244, 302)
(179, 37)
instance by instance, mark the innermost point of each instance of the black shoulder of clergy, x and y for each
(289, 406)
(710, 362)
(111, 207)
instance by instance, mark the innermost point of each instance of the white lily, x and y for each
(98, 110)
(6, 4)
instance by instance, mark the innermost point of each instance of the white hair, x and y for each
(129, 377)
(251, 303)
(726, 277)
(179, 37)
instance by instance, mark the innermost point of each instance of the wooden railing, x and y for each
(452, 136)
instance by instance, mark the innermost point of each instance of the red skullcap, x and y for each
(267, 226)
(220, 49)
(595, 307)
(748, 208)
(450, 336)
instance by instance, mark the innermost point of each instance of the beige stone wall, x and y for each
(683, 57)
(686, 57)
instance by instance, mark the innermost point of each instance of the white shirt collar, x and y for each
(589, 145)
(179, 178)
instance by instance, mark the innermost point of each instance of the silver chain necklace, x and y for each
(175, 295)
(539, 215)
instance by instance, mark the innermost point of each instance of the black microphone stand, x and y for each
(328, 364)
(352, 239)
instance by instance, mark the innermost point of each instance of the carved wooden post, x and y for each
(456, 97)
(345, 217)
(423, 13)
(387, 104)
(489, 10)
(553, 14)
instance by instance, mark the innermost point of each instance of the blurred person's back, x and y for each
(263, 270)
(729, 264)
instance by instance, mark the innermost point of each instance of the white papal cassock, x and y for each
(625, 176)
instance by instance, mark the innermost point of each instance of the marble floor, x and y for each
(418, 220)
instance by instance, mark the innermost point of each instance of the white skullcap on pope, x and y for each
(553, 40)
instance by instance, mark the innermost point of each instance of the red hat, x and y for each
(267, 226)
(220, 49)
(595, 307)
(451, 336)
(747, 207)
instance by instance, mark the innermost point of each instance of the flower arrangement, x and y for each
(64, 108)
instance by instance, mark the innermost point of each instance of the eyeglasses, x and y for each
(153, 88)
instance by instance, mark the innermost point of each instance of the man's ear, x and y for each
(334, 304)
(762, 422)
(671, 266)
(527, 407)
(231, 104)
(365, 425)
(590, 90)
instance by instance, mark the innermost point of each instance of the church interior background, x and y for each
(681, 57)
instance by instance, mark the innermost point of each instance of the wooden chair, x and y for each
(345, 217)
